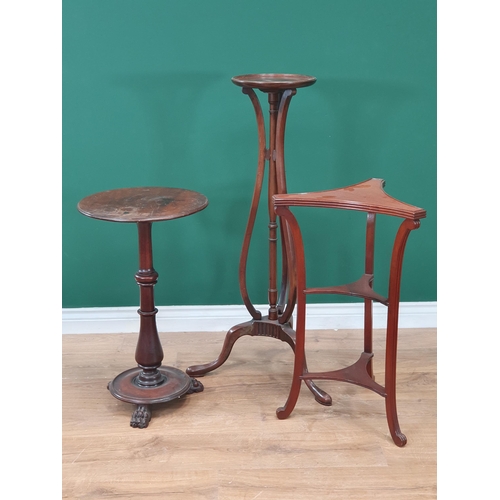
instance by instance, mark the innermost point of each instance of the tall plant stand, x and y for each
(280, 88)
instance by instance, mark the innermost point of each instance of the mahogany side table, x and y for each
(369, 197)
(150, 382)
(280, 88)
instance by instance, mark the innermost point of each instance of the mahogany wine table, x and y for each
(150, 382)
(280, 88)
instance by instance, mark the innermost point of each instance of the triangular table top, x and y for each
(367, 196)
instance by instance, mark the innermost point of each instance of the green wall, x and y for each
(148, 100)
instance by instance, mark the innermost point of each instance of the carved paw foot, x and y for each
(196, 386)
(141, 417)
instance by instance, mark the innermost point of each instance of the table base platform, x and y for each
(173, 385)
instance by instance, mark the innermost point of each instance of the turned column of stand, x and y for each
(150, 382)
(280, 88)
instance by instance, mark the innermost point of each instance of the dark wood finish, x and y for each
(272, 82)
(369, 197)
(368, 310)
(150, 383)
(142, 204)
(277, 323)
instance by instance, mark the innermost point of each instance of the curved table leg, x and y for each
(299, 367)
(392, 328)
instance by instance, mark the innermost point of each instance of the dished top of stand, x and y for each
(272, 82)
(142, 204)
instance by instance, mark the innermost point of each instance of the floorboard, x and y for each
(226, 442)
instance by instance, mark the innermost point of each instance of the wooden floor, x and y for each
(226, 442)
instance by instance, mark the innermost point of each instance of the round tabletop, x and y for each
(142, 204)
(269, 82)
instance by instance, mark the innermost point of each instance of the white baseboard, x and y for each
(222, 318)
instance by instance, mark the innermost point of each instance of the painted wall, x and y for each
(148, 100)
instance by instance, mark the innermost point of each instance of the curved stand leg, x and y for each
(320, 395)
(232, 336)
(259, 328)
(254, 206)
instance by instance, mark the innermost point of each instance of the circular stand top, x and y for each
(269, 82)
(142, 204)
